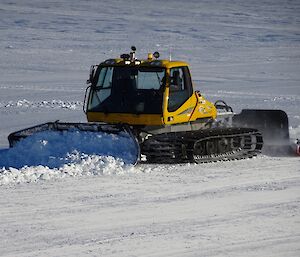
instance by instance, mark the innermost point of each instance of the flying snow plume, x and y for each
(81, 165)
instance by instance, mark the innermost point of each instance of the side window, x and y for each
(105, 77)
(180, 88)
(102, 90)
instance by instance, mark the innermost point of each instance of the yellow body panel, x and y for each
(195, 108)
(204, 108)
(126, 118)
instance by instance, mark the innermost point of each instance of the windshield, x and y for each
(127, 90)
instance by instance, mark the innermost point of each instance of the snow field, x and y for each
(85, 204)
(54, 104)
(78, 165)
(245, 208)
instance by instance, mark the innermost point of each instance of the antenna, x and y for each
(170, 53)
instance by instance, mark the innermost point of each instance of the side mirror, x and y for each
(85, 101)
(93, 70)
(198, 93)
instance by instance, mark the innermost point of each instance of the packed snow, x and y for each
(25, 104)
(76, 165)
(65, 197)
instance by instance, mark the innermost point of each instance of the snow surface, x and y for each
(81, 203)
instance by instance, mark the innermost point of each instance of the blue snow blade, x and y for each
(53, 144)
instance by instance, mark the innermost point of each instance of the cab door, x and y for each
(180, 99)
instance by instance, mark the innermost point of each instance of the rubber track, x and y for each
(179, 147)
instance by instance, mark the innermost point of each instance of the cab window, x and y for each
(180, 87)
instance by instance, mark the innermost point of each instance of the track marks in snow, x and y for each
(169, 210)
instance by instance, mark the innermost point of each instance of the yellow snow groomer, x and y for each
(154, 101)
